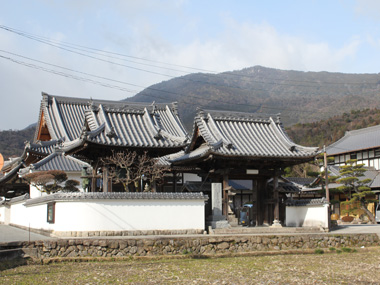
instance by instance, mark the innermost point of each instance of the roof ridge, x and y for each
(241, 115)
(88, 101)
(363, 130)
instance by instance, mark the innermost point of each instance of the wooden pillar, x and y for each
(276, 199)
(255, 197)
(93, 180)
(261, 183)
(225, 195)
(276, 212)
(174, 181)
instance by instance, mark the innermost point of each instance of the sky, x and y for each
(114, 49)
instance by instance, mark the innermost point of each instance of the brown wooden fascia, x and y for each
(43, 131)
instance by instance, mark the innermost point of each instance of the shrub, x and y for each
(346, 249)
(319, 251)
(347, 219)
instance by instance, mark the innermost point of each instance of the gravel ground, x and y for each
(332, 267)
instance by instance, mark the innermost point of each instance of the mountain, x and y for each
(12, 142)
(300, 97)
(315, 107)
(326, 132)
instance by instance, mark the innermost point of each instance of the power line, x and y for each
(69, 46)
(84, 79)
(41, 39)
(65, 74)
(100, 52)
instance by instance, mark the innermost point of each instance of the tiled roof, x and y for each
(64, 116)
(370, 173)
(154, 126)
(356, 140)
(18, 199)
(196, 186)
(43, 147)
(11, 164)
(241, 184)
(306, 202)
(301, 180)
(56, 161)
(75, 196)
(287, 188)
(237, 134)
(284, 186)
(116, 123)
(12, 173)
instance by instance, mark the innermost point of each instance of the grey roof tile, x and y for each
(301, 180)
(370, 173)
(56, 161)
(18, 199)
(43, 147)
(116, 196)
(11, 174)
(140, 127)
(356, 140)
(196, 186)
(306, 202)
(113, 123)
(243, 134)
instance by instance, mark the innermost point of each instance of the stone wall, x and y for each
(203, 245)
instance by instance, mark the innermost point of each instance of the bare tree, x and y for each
(128, 168)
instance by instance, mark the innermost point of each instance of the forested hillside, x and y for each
(316, 104)
(328, 131)
(300, 97)
(12, 142)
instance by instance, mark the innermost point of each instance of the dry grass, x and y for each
(328, 268)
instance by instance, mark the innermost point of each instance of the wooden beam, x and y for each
(225, 195)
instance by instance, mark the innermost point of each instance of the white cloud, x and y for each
(244, 45)
(368, 8)
(237, 45)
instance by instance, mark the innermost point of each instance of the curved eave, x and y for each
(206, 153)
(73, 146)
(179, 146)
(350, 151)
(11, 174)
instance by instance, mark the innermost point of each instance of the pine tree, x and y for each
(356, 190)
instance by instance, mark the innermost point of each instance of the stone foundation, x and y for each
(202, 245)
(68, 234)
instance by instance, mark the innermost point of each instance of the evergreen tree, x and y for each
(51, 181)
(356, 190)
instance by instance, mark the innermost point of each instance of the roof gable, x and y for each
(56, 161)
(134, 126)
(244, 134)
(117, 123)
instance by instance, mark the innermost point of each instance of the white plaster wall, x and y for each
(35, 193)
(114, 215)
(129, 215)
(19, 214)
(191, 177)
(38, 217)
(4, 214)
(307, 216)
